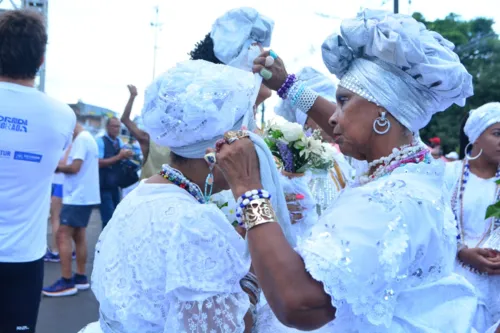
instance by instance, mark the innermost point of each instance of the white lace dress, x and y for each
(167, 264)
(479, 194)
(385, 254)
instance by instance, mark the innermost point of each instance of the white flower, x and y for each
(329, 152)
(292, 132)
(312, 146)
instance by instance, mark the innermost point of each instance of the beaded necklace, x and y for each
(407, 154)
(458, 204)
(176, 177)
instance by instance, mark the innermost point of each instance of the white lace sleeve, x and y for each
(362, 253)
(205, 262)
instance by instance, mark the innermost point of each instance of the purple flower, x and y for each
(286, 156)
(309, 132)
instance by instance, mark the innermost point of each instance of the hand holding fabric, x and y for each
(484, 260)
(277, 69)
(240, 165)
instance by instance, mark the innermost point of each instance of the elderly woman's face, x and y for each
(489, 142)
(352, 123)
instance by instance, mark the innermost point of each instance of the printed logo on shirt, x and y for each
(13, 124)
(29, 157)
(5, 153)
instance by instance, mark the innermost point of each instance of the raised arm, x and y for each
(141, 136)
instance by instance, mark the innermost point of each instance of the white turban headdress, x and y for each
(395, 62)
(480, 119)
(314, 80)
(192, 105)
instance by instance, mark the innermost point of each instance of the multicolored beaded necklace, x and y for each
(458, 204)
(410, 154)
(176, 177)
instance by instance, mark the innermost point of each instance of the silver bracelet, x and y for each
(300, 97)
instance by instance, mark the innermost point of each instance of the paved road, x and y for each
(70, 314)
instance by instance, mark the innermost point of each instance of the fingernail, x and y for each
(300, 197)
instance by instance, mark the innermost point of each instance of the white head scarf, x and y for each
(395, 62)
(480, 119)
(192, 105)
(314, 80)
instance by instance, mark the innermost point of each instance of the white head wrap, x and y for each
(192, 105)
(314, 80)
(395, 62)
(234, 33)
(480, 119)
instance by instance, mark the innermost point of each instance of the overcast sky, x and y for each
(97, 47)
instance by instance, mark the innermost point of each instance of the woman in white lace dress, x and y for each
(473, 189)
(382, 258)
(169, 261)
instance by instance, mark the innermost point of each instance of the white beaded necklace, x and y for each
(408, 153)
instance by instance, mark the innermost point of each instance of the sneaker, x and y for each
(51, 257)
(81, 282)
(73, 255)
(60, 288)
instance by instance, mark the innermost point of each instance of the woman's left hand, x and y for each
(278, 70)
(240, 165)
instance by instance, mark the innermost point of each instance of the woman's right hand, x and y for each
(484, 260)
(278, 69)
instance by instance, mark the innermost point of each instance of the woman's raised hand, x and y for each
(240, 165)
(277, 70)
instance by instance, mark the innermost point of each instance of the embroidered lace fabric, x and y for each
(385, 253)
(167, 264)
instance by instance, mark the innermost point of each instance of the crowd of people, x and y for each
(220, 235)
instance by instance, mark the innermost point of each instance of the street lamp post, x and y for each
(156, 25)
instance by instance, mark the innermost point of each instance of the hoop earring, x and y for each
(467, 156)
(382, 121)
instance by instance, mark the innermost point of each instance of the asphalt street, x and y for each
(70, 314)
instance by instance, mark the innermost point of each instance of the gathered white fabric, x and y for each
(480, 119)
(385, 254)
(235, 31)
(193, 104)
(314, 80)
(190, 279)
(410, 71)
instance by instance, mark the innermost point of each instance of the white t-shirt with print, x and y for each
(34, 131)
(82, 188)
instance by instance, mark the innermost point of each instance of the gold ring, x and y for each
(242, 134)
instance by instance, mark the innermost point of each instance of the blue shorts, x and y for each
(76, 216)
(57, 190)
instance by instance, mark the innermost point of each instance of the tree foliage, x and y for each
(478, 47)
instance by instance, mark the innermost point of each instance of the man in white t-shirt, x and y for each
(34, 130)
(80, 195)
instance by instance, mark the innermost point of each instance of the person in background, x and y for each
(81, 194)
(34, 131)
(153, 155)
(473, 189)
(435, 147)
(135, 162)
(52, 254)
(451, 156)
(110, 155)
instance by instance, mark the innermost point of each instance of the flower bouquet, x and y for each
(224, 200)
(298, 153)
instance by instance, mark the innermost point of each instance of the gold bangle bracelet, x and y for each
(258, 211)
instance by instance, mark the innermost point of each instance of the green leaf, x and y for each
(493, 210)
(497, 181)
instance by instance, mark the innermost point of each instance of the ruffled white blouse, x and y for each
(385, 254)
(167, 264)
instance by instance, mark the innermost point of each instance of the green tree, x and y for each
(478, 47)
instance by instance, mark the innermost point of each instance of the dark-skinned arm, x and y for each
(141, 136)
(295, 297)
(320, 112)
(70, 169)
(106, 162)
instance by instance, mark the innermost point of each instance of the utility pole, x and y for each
(42, 7)
(396, 6)
(156, 25)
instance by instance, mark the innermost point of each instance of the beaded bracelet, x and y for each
(245, 200)
(301, 97)
(283, 91)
